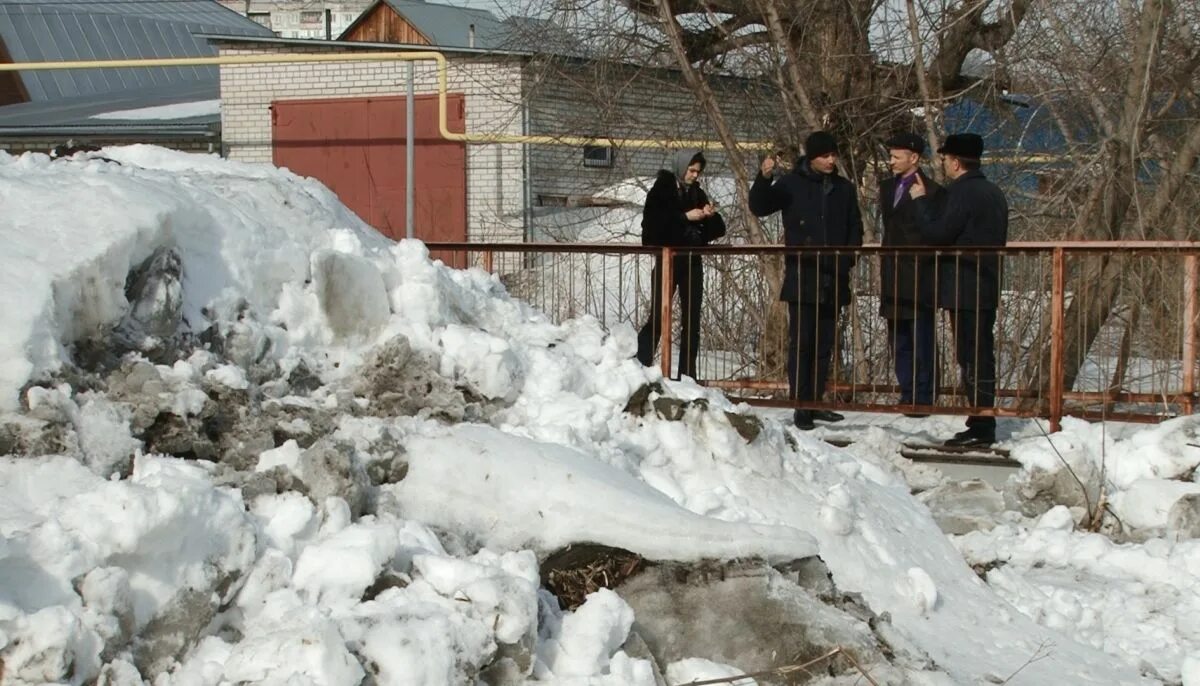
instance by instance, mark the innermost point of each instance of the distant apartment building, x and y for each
(301, 18)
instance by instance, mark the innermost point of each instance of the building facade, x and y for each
(500, 93)
(301, 18)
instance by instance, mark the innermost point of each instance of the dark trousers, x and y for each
(810, 348)
(975, 349)
(914, 351)
(687, 277)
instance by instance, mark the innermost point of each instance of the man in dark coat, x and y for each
(907, 279)
(973, 218)
(679, 214)
(820, 210)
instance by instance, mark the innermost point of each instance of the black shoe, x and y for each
(904, 402)
(827, 416)
(972, 438)
(803, 419)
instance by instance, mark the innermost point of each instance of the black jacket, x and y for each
(664, 220)
(906, 280)
(819, 210)
(974, 215)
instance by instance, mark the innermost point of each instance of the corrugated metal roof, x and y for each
(79, 114)
(449, 26)
(53, 30)
(362, 45)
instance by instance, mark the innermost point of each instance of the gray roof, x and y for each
(449, 26)
(79, 115)
(57, 30)
(322, 44)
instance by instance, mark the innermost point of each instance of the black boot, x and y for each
(827, 416)
(972, 438)
(803, 419)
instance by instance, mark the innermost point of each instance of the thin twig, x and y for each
(1040, 654)
(777, 671)
(787, 669)
(1087, 501)
(861, 670)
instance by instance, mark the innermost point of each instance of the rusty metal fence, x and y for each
(1098, 330)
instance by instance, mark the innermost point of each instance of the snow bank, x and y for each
(133, 547)
(477, 479)
(1133, 600)
(1144, 471)
(74, 229)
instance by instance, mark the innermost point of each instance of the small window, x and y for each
(311, 18)
(547, 200)
(263, 18)
(597, 156)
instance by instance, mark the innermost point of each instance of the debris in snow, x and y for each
(964, 506)
(154, 290)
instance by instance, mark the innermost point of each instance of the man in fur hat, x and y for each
(973, 217)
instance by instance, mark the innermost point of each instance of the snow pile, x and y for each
(182, 110)
(1143, 473)
(74, 230)
(1138, 601)
(343, 542)
(89, 563)
(448, 473)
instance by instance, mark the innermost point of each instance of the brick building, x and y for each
(500, 186)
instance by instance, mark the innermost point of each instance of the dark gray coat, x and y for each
(974, 215)
(906, 280)
(819, 210)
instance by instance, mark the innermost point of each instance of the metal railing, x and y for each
(1098, 330)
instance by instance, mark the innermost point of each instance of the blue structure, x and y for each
(1022, 138)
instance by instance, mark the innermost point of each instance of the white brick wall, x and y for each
(492, 89)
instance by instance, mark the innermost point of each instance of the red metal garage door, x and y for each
(356, 146)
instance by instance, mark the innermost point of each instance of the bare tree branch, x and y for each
(709, 101)
(922, 80)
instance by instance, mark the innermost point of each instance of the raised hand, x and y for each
(917, 189)
(768, 166)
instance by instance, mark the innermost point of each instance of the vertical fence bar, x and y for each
(488, 265)
(410, 144)
(666, 278)
(1191, 309)
(1057, 337)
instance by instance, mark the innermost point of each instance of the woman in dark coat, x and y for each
(678, 214)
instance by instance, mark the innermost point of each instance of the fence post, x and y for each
(1057, 337)
(1190, 312)
(488, 261)
(666, 278)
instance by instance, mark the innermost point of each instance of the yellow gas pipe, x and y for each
(409, 56)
